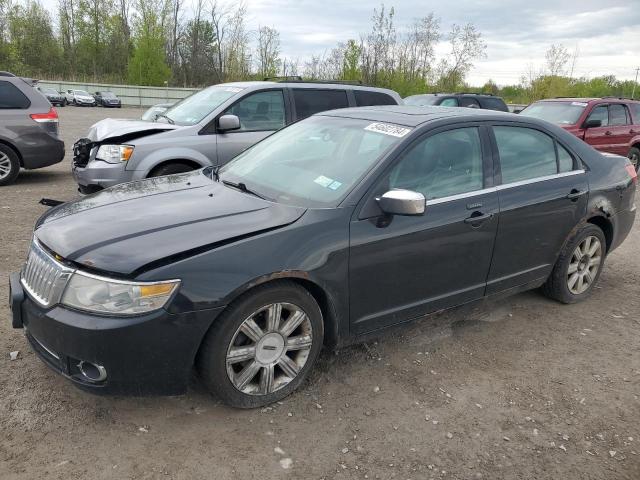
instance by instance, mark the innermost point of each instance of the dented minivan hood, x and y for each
(119, 127)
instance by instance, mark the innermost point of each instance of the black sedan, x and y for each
(107, 99)
(331, 229)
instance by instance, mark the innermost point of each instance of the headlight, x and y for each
(114, 153)
(104, 295)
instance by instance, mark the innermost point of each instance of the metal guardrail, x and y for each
(131, 95)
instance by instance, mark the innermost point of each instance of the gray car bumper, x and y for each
(98, 175)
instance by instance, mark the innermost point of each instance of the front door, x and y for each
(599, 137)
(402, 267)
(543, 196)
(260, 113)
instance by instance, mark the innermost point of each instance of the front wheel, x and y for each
(263, 346)
(578, 267)
(634, 157)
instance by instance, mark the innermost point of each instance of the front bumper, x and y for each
(143, 355)
(97, 175)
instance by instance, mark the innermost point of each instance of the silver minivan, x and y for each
(208, 128)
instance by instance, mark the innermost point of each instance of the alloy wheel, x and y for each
(5, 165)
(269, 349)
(584, 265)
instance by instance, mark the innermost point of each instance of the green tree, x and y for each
(148, 64)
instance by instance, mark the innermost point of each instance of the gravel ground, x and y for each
(520, 388)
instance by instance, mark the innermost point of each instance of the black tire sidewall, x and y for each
(560, 271)
(15, 165)
(211, 360)
(635, 150)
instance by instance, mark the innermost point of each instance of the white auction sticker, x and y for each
(388, 129)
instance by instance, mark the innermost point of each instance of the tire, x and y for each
(276, 371)
(65, 102)
(170, 169)
(585, 258)
(9, 165)
(634, 157)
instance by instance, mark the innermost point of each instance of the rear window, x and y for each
(11, 97)
(635, 111)
(309, 101)
(617, 114)
(493, 104)
(365, 98)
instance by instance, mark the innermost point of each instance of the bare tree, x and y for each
(467, 46)
(556, 57)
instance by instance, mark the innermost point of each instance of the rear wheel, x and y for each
(578, 267)
(9, 165)
(171, 169)
(634, 157)
(263, 346)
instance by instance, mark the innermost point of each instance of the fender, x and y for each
(159, 156)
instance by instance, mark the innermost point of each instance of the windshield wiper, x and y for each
(170, 120)
(243, 188)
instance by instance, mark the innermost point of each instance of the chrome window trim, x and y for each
(504, 186)
(539, 179)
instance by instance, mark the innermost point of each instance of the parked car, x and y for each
(152, 113)
(80, 98)
(51, 94)
(609, 124)
(208, 128)
(329, 230)
(470, 100)
(29, 136)
(107, 99)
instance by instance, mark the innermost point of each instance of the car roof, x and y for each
(412, 116)
(309, 85)
(589, 99)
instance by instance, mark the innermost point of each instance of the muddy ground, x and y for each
(521, 388)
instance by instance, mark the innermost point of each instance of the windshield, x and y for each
(107, 95)
(193, 109)
(315, 162)
(564, 113)
(81, 92)
(420, 100)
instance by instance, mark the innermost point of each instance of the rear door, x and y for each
(308, 101)
(402, 267)
(542, 190)
(620, 128)
(261, 113)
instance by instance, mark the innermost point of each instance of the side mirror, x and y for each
(593, 123)
(402, 202)
(228, 122)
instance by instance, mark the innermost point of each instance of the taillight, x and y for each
(50, 117)
(631, 170)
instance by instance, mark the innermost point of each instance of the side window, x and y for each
(565, 159)
(443, 164)
(449, 102)
(366, 98)
(260, 111)
(11, 97)
(601, 112)
(469, 102)
(617, 114)
(524, 153)
(493, 103)
(635, 109)
(309, 101)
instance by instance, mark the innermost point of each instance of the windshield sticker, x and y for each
(324, 181)
(579, 104)
(233, 89)
(335, 185)
(388, 129)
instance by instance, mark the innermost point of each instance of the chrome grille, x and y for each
(43, 277)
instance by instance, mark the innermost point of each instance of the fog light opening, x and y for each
(92, 372)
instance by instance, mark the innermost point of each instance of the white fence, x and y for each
(129, 94)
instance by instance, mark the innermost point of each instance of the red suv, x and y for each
(608, 124)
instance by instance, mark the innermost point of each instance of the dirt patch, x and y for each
(522, 388)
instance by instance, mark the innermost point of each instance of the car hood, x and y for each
(127, 227)
(115, 127)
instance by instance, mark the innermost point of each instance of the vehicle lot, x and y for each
(517, 388)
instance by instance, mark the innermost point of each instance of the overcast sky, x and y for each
(517, 32)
